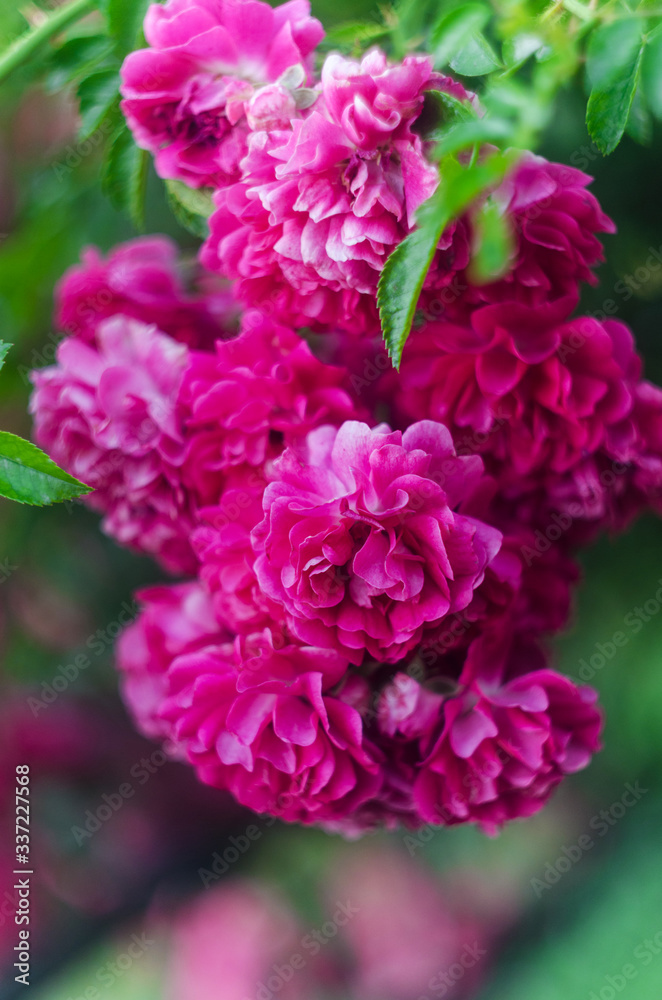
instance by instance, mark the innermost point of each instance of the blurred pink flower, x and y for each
(405, 939)
(107, 414)
(141, 279)
(174, 619)
(229, 940)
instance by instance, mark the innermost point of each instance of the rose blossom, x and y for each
(257, 717)
(510, 734)
(555, 224)
(173, 619)
(363, 541)
(322, 203)
(255, 393)
(141, 279)
(107, 414)
(186, 97)
(555, 414)
(223, 546)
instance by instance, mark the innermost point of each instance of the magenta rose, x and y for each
(144, 280)
(173, 619)
(253, 394)
(364, 542)
(258, 717)
(321, 204)
(108, 415)
(508, 738)
(556, 224)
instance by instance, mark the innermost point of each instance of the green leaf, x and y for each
(98, 96)
(651, 73)
(77, 57)
(402, 279)
(613, 65)
(4, 351)
(454, 29)
(494, 244)
(190, 207)
(125, 175)
(462, 135)
(125, 19)
(30, 476)
(639, 125)
(476, 58)
(440, 112)
(354, 34)
(520, 48)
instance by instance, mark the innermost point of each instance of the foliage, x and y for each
(518, 56)
(27, 474)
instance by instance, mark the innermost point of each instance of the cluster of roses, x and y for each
(363, 642)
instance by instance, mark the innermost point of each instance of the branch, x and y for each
(25, 46)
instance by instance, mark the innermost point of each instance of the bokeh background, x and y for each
(176, 893)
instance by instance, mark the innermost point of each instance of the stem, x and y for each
(24, 47)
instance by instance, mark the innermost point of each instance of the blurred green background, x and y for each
(561, 921)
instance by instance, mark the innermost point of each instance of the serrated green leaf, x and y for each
(613, 66)
(98, 96)
(125, 175)
(476, 58)
(493, 244)
(191, 207)
(4, 351)
(29, 476)
(454, 29)
(125, 19)
(651, 73)
(402, 278)
(608, 110)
